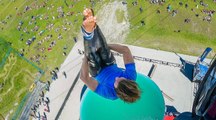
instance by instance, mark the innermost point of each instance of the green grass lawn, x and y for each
(16, 81)
(16, 74)
(158, 31)
(120, 15)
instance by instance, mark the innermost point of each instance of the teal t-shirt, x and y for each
(106, 79)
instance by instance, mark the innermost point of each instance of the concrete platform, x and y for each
(177, 88)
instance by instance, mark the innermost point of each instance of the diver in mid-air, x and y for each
(107, 79)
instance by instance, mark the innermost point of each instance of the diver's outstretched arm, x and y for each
(84, 76)
(127, 56)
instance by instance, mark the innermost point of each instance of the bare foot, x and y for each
(87, 13)
(89, 23)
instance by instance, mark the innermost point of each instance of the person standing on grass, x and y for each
(107, 79)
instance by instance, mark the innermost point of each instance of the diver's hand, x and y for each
(89, 24)
(87, 13)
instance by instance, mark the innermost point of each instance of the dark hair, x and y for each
(128, 91)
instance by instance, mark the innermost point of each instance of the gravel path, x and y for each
(106, 18)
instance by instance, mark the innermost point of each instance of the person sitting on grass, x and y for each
(107, 79)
